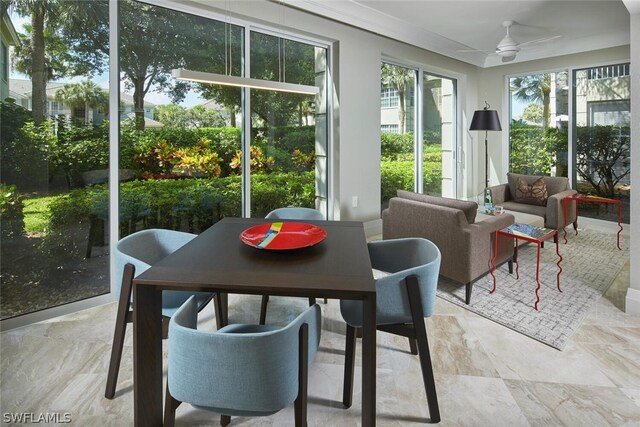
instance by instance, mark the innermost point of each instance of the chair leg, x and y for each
(120, 330)
(263, 309)
(300, 404)
(312, 301)
(165, 327)
(225, 420)
(413, 346)
(467, 296)
(575, 225)
(510, 264)
(349, 366)
(170, 406)
(417, 314)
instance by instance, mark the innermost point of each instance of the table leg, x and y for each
(493, 260)
(558, 264)
(147, 356)
(538, 277)
(564, 221)
(515, 259)
(620, 219)
(369, 361)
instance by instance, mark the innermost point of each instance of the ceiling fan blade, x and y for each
(543, 40)
(470, 50)
(508, 58)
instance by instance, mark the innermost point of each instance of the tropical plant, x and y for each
(533, 113)
(401, 79)
(43, 14)
(534, 88)
(85, 94)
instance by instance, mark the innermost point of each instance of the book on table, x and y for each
(527, 230)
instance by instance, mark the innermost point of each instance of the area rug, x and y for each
(590, 263)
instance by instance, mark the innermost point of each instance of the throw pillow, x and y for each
(534, 194)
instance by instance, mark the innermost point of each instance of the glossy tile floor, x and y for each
(486, 375)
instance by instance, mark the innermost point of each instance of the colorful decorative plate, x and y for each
(283, 235)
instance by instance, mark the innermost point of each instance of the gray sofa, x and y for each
(466, 245)
(557, 188)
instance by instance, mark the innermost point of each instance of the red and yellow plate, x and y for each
(283, 235)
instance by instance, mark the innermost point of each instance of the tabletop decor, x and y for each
(283, 235)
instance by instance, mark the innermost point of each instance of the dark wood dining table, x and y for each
(216, 260)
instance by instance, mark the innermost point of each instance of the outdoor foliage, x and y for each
(11, 213)
(603, 156)
(188, 204)
(535, 150)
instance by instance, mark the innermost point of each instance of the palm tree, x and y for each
(40, 11)
(400, 79)
(84, 94)
(534, 88)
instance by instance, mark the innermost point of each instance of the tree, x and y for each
(533, 113)
(603, 157)
(84, 94)
(175, 116)
(534, 88)
(400, 79)
(43, 13)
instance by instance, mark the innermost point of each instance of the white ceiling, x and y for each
(448, 26)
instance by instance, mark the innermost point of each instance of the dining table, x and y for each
(217, 260)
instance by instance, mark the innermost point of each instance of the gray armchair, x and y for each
(240, 370)
(552, 211)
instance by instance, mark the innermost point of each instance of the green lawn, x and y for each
(36, 214)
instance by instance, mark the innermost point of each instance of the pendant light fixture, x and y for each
(238, 81)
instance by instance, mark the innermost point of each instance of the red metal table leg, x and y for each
(493, 260)
(558, 264)
(515, 259)
(538, 277)
(564, 222)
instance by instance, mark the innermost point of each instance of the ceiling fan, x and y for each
(508, 48)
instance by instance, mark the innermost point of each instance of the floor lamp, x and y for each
(485, 120)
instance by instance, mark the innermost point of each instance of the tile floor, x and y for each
(486, 375)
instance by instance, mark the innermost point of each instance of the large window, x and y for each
(597, 157)
(423, 148)
(601, 137)
(53, 190)
(190, 153)
(538, 124)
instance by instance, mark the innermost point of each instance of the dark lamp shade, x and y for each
(485, 120)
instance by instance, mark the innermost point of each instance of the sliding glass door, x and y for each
(602, 138)
(418, 132)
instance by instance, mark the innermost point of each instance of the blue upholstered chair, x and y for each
(135, 253)
(406, 281)
(289, 213)
(240, 370)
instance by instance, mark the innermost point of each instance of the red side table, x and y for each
(529, 233)
(590, 199)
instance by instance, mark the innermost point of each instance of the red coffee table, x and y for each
(590, 199)
(529, 233)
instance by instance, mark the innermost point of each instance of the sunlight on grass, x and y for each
(36, 214)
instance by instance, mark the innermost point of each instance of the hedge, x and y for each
(186, 204)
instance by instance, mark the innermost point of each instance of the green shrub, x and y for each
(395, 176)
(24, 148)
(11, 212)
(187, 204)
(396, 146)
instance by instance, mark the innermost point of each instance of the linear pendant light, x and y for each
(225, 80)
